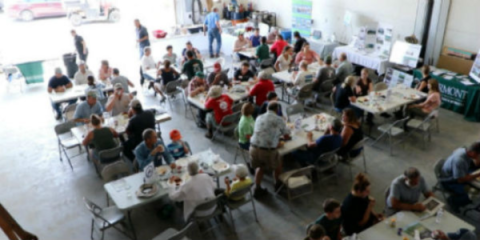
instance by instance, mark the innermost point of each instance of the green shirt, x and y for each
(245, 127)
(263, 52)
(191, 67)
(332, 227)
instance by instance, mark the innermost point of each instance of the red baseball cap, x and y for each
(217, 66)
(175, 135)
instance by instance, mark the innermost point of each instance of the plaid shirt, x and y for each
(195, 83)
(268, 129)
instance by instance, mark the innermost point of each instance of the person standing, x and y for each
(142, 37)
(80, 46)
(212, 22)
(299, 42)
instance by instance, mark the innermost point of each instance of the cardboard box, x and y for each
(456, 60)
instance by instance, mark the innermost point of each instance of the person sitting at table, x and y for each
(189, 48)
(363, 88)
(81, 75)
(301, 78)
(272, 36)
(102, 138)
(307, 55)
(198, 85)
(461, 234)
(330, 141)
(168, 75)
(432, 102)
(244, 74)
(278, 46)
(344, 94)
(138, 123)
(246, 125)
(241, 44)
(344, 69)
(325, 73)
(271, 97)
(95, 87)
(221, 104)
(331, 220)
(177, 148)
(240, 181)
(87, 108)
(423, 85)
(284, 61)
(192, 66)
(255, 38)
(194, 192)
(119, 101)
(153, 150)
(316, 232)
(405, 192)
(457, 174)
(105, 72)
(58, 84)
(262, 52)
(218, 77)
(351, 134)
(357, 207)
(149, 64)
(170, 56)
(299, 43)
(261, 89)
(117, 78)
(264, 145)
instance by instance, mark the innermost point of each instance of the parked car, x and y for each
(28, 10)
(1, 5)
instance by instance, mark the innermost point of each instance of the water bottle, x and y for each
(438, 219)
(225, 89)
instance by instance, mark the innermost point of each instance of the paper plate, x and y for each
(220, 166)
(183, 179)
(164, 172)
(147, 191)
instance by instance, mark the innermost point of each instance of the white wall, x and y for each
(328, 14)
(463, 30)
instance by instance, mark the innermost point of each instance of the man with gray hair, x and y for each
(149, 64)
(82, 74)
(58, 84)
(405, 192)
(85, 109)
(194, 192)
(272, 36)
(344, 69)
(330, 141)
(119, 101)
(152, 149)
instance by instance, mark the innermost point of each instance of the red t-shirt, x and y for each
(278, 47)
(260, 91)
(221, 106)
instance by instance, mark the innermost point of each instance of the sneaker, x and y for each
(163, 100)
(217, 55)
(209, 135)
(212, 56)
(58, 117)
(259, 192)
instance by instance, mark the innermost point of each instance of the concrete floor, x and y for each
(45, 195)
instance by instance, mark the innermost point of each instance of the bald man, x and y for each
(344, 69)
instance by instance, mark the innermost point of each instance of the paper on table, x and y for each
(467, 82)
(448, 77)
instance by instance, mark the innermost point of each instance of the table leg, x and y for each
(129, 213)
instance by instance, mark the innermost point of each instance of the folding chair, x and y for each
(105, 218)
(247, 195)
(326, 163)
(66, 140)
(303, 94)
(295, 179)
(207, 205)
(391, 130)
(232, 121)
(295, 109)
(69, 112)
(113, 172)
(107, 157)
(349, 158)
(172, 90)
(172, 234)
(422, 126)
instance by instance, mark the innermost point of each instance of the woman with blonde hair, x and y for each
(345, 94)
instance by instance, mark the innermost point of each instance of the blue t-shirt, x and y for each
(141, 33)
(84, 110)
(57, 82)
(255, 40)
(176, 150)
(327, 143)
(458, 165)
(211, 20)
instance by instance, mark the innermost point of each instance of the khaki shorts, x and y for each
(265, 159)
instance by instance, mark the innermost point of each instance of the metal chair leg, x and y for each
(364, 161)
(231, 219)
(60, 151)
(68, 158)
(91, 229)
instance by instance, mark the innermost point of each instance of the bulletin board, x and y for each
(302, 17)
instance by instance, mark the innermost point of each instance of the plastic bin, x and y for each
(286, 34)
(70, 61)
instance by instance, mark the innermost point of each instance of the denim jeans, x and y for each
(148, 77)
(56, 106)
(460, 196)
(214, 34)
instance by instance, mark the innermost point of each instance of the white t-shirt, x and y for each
(81, 78)
(284, 64)
(148, 63)
(303, 77)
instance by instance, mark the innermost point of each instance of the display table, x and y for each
(322, 47)
(457, 96)
(368, 60)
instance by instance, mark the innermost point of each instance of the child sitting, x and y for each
(331, 220)
(178, 149)
(240, 181)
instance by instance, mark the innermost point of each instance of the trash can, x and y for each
(70, 61)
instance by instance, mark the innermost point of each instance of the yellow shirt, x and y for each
(238, 185)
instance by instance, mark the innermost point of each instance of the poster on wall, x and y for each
(383, 43)
(302, 17)
(405, 54)
(366, 37)
(475, 72)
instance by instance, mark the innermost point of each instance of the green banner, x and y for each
(32, 71)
